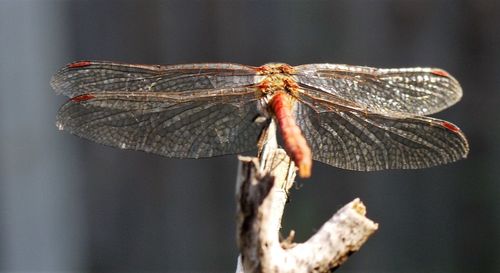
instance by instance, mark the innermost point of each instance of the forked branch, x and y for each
(262, 191)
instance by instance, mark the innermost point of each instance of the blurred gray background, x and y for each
(69, 205)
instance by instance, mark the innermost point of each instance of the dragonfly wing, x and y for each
(97, 76)
(355, 140)
(418, 91)
(172, 126)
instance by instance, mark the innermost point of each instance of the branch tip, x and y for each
(358, 206)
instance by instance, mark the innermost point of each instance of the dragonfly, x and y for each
(351, 117)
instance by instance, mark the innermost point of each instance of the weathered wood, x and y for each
(262, 191)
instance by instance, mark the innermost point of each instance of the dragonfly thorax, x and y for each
(278, 78)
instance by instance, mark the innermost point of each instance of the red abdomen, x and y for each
(295, 143)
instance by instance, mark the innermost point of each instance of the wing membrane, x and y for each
(96, 76)
(356, 140)
(172, 126)
(419, 91)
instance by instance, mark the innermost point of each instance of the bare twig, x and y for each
(262, 191)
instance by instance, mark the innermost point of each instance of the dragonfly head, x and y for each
(276, 68)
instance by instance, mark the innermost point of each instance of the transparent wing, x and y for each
(172, 126)
(356, 140)
(96, 76)
(419, 91)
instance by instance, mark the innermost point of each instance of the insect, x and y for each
(351, 117)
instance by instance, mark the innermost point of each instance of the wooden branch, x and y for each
(262, 191)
